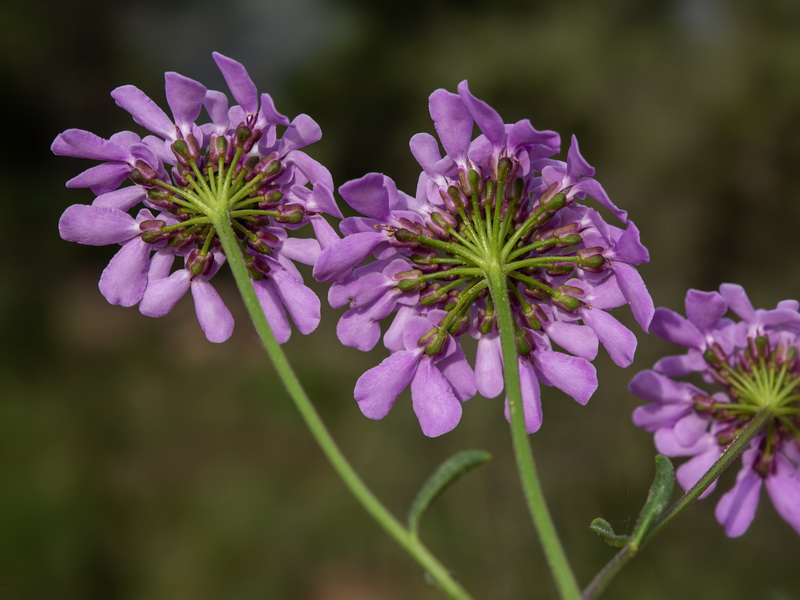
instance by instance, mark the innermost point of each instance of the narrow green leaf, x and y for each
(657, 499)
(604, 529)
(447, 473)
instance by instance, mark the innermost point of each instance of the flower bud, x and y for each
(290, 213)
(459, 325)
(565, 299)
(571, 240)
(530, 315)
(410, 281)
(504, 168)
(433, 341)
(486, 321)
(591, 259)
(404, 236)
(184, 153)
(153, 230)
(143, 174)
(271, 197)
(524, 344)
(559, 269)
(198, 263)
(262, 241)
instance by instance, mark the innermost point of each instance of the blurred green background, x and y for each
(142, 462)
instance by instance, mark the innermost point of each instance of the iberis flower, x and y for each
(497, 203)
(753, 365)
(189, 177)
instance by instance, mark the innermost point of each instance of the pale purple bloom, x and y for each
(498, 196)
(753, 363)
(247, 156)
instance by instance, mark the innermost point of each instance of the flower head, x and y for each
(495, 203)
(235, 168)
(752, 363)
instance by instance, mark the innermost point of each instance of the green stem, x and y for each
(543, 522)
(729, 455)
(371, 504)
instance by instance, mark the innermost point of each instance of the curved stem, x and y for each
(730, 454)
(543, 522)
(373, 506)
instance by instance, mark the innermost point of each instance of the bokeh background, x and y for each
(140, 461)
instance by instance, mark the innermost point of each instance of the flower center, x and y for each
(764, 376)
(225, 179)
(492, 222)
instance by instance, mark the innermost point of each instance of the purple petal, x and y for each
(239, 82)
(303, 132)
(313, 170)
(737, 508)
(629, 247)
(522, 133)
(161, 295)
(303, 250)
(655, 387)
(489, 366)
(705, 309)
(300, 301)
(273, 309)
(160, 264)
(669, 444)
(357, 329)
(618, 340)
(634, 289)
(101, 178)
(452, 121)
(576, 165)
(487, 118)
(436, 406)
(690, 429)
(369, 195)
(579, 340)
(783, 487)
(672, 327)
(377, 389)
(339, 260)
(692, 470)
(324, 232)
(122, 199)
(393, 339)
(185, 98)
(656, 416)
(684, 364)
(84, 144)
(144, 111)
(124, 279)
(215, 319)
(738, 301)
(216, 104)
(269, 114)
(596, 191)
(357, 292)
(96, 226)
(425, 149)
(531, 400)
(457, 371)
(574, 376)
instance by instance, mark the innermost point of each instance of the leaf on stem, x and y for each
(447, 473)
(604, 529)
(657, 498)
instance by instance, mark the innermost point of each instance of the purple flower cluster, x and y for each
(754, 361)
(498, 201)
(185, 176)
